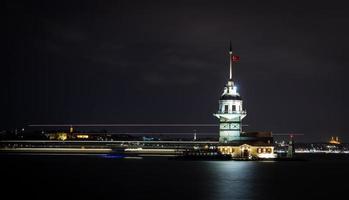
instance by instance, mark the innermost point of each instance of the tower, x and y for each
(290, 149)
(230, 112)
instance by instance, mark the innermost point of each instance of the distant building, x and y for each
(232, 140)
(334, 140)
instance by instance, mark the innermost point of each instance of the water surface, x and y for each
(98, 177)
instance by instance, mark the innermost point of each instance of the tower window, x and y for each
(226, 108)
(234, 108)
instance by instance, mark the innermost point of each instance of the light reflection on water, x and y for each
(233, 180)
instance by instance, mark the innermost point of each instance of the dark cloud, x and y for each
(166, 61)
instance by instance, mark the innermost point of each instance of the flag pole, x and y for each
(231, 63)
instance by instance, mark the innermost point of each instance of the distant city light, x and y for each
(82, 136)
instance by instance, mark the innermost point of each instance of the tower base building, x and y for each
(251, 145)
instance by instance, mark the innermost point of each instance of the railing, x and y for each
(232, 112)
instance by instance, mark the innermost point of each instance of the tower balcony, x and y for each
(231, 115)
(243, 112)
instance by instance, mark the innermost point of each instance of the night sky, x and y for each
(167, 62)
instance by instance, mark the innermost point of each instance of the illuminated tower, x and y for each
(230, 112)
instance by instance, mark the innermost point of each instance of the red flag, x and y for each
(235, 58)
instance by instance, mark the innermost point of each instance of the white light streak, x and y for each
(123, 125)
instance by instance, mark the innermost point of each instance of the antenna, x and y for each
(194, 139)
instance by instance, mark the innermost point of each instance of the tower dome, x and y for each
(230, 92)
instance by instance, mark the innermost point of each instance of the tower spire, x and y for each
(231, 63)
